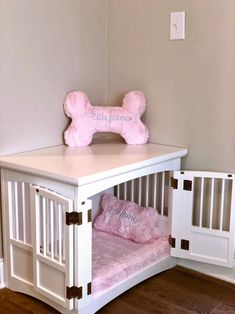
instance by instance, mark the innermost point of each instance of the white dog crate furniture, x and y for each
(50, 197)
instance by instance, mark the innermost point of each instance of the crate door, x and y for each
(203, 217)
(52, 245)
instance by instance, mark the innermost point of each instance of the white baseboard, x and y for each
(223, 273)
(2, 281)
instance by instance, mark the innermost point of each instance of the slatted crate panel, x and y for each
(19, 211)
(52, 229)
(151, 190)
(212, 203)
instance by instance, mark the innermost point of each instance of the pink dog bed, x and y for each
(115, 259)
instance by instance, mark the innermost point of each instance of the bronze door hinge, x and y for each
(73, 292)
(171, 241)
(185, 245)
(187, 185)
(174, 183)
(73, 218)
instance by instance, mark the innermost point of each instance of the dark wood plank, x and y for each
(228, 305)
(19, 303)
(212, 291)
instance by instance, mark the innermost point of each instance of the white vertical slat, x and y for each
(132, 190)
(52, 227)
(155, 191)
(10, 206)
(16, 212)
(63, 236)
(147, 191)
(140, 189)
(47, 228)
(36, 242)
(55, 230)
(60, 232)
(44, 224)
(212, 202)
(222, 205)
(232, 217)
(163, 193)
(201, 201)
(23, 211)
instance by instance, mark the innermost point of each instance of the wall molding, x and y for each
(2, 281)
(219, 272)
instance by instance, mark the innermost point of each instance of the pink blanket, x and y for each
(115, 259)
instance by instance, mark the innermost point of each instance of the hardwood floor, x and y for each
(177, 291)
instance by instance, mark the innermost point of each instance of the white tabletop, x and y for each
(88, 164)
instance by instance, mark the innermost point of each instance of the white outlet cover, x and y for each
(177, 25)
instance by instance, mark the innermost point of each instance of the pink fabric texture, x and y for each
(128, 220)
(88, 119)
(115, 259)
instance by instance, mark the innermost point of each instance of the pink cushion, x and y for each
(128, 220)
(88, 119)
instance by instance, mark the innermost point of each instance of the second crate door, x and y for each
(202, 216)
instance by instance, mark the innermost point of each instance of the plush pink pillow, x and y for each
(88, 119)
(128, 220)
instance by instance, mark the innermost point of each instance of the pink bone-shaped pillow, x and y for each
(88, 119)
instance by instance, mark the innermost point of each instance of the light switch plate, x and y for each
(177, 25)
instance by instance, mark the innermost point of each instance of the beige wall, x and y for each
(189, 85)
(48, 47)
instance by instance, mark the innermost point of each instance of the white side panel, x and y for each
(177, 210)
(52, 245)
(205, 217)
(16, 229)
(83, 254)
(16, 217)
(203, 245)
